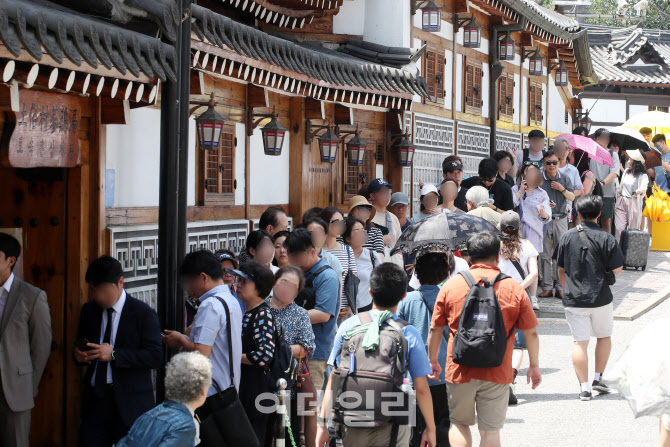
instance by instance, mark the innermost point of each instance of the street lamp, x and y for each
(405, 147)
(431, 17)
(560, 74)
(328, 141)
(582, 119)
(208, 124)
(273, 132)
(356, 147)
(507, 48)
(472, 33)
(536, 66)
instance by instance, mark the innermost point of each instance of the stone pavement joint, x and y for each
(636, 292)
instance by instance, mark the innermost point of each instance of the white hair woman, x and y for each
(187, 380)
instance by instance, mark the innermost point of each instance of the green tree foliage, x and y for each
(657, 15)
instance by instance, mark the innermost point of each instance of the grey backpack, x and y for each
(375, 376)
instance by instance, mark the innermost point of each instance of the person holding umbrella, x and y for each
(606, 175)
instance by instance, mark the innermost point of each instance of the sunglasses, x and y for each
(364, 207)
(488, 180)
(551, 163)
(528, 163)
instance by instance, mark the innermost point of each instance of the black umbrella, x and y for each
(628, 139)
(446, 231)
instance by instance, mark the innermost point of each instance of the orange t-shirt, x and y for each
(516, 310)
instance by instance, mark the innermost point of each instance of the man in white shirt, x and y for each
(380, 197)
(562, 151)
(25, 345)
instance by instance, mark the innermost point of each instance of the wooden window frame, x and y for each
(472, 71)
(369, 168)
(434, 64)
(533, 101)
(227, 184)
(506, 86)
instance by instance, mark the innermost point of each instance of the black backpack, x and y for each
(284, 365)
(307, 297)
(526, 157)
(481, 339)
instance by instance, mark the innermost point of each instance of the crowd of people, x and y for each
(333, 295)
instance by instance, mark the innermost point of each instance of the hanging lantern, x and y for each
(561, 75)
(209, 125)
(328, 143)
(583, 120)
(405, 151)
(431, 17)
(536, 63)
(507, 48)
(356, 150)
(472, 34)
(273, 136)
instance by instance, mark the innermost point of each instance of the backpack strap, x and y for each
(519, 269)
(365, 317)
(430, 312)
(468, 278)
(310, 281)
(230, 341)
(525, 156)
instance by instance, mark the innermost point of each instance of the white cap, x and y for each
(428, 189)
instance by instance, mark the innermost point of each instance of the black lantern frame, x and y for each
(560, 74)
(507, 48)
(405, 147)
(273, 132)
(582, 119)
(208, 125)
(328, 141)
(431, 15)
(536, 66)
(472, 32)
(356, 147)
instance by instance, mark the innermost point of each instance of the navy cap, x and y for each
(452, 166)
(240, 273)
(378, 184)
(225, 256)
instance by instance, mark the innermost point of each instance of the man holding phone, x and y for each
(560, 190)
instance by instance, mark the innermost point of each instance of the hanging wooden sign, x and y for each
(44, 132)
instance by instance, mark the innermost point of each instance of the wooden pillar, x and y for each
(297, 157)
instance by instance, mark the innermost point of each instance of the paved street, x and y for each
(552, 415)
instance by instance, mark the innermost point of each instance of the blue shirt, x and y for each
(660, 174)
(413, 310)
(209, 328)
(168, 424)
(416, 360)
(327, 294)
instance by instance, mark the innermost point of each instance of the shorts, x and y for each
(585, 322)
(608, 208)
(317, 369)
(519, 340)
(488, 398)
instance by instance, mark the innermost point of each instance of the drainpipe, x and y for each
(496, 69)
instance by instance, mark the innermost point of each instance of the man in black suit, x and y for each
(119, 338)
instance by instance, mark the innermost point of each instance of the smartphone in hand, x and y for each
(82, 344)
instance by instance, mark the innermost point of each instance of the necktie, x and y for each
(101, 369)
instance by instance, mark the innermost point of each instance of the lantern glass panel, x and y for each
(435, 20)
(466, 37)
(280, 141)
(270, 142)
(333, 150)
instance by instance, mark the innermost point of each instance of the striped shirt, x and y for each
(348, 260)
(375, 240)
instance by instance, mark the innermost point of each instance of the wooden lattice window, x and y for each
(473, 86)
(357, 176)
(434, 65)
(535, 103)
(506, 97)
(216, 177)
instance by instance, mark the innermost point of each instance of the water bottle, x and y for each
(406, 388)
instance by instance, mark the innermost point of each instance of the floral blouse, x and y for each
(258, 329)
(295, 325)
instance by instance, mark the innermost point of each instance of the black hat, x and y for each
(535, 133)
(452, 166)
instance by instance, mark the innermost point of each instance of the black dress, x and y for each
(258, 327)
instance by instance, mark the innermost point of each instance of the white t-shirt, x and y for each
(527, 251)
(460, 265)
(364, 266)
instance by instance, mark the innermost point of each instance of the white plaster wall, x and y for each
(517, 108)
(556, 109)
(486, 93)
(446, 30)
(484, 47)
(524, 101)
(459, 83)
(448, 78)
(269, 174)
(240, 156)
(387, 22)
(608, 110)
(634, 110)
(545, 109)
(350, 19)
(133, 152)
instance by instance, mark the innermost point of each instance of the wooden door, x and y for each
(34, 201)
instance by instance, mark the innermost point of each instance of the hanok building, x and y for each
(633, 67)
(313, 98)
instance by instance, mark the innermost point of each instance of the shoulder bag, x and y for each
(224, 421)
(351, 283)
(306, 391)
(610, 277)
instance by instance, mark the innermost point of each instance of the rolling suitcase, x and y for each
(635, 245)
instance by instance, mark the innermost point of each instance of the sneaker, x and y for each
(600, 387)
(585, 395)
(512, 397)
(534, 303)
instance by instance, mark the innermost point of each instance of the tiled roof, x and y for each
(286, 14)
(380, 54)
(630, 55)
(319, 66)
(41, 27)
(546, 15)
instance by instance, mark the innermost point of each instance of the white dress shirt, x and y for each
(4, 293)
(116, 316)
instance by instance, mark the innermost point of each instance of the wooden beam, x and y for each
(314, 109)
(114, 111)
(257, 96)
(9, 97)
(197, 83)
(343, 115)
